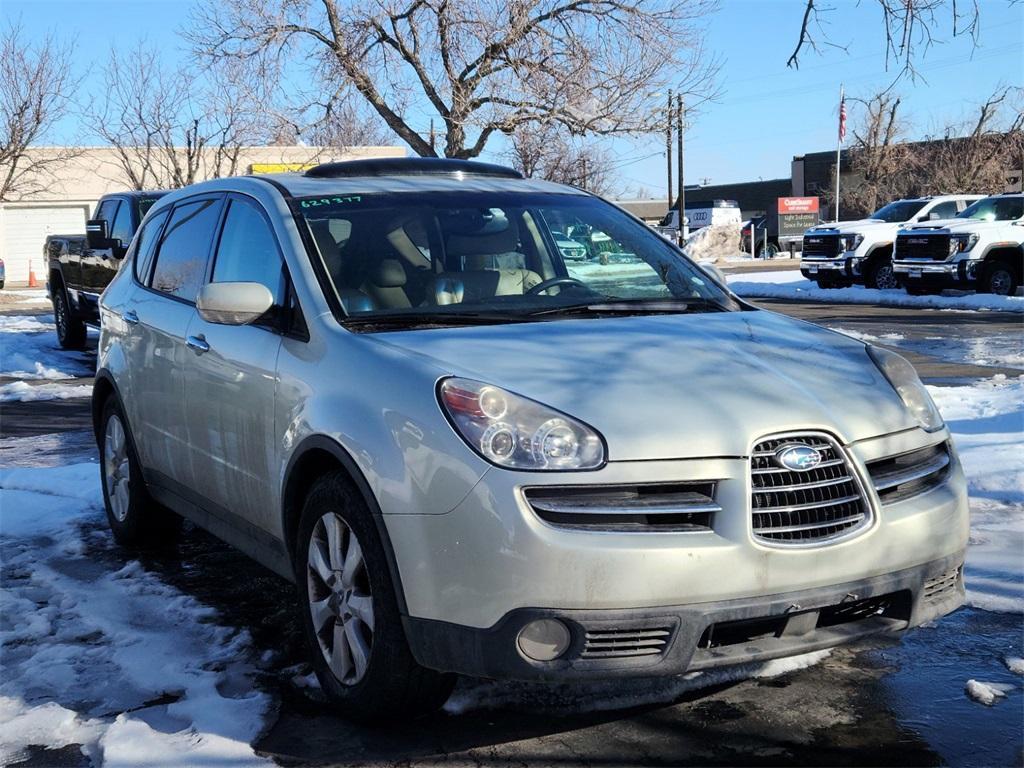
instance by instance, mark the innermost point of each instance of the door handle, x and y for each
(198, 344)
(130, 317)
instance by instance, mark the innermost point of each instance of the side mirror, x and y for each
(97, 233)
(233, 303)
(710, 268)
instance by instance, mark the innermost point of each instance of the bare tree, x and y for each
(479, 67)
(544, 151)
(909, 27)
(345, 125)
(36, 87)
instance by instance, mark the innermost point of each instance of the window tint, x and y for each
(247, 251)
(121, 229)
(181, 260)
(146, 245)
(946, 210)
(106, 210)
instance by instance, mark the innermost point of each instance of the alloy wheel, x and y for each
(885, 278)
(999, 282)
(116, 468)
(340, 599)
(60, 316)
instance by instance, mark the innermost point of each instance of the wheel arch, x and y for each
(1013, 256)
(103, 387)
(316, 455)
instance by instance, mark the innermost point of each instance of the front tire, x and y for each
(1000, 279)
(350, 614)
(70, 330)
(135, 519)
(879, 274)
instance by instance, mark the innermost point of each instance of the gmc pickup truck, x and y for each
(981, 249)
(836, 255)
(81, 266)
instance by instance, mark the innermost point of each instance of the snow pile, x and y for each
(867, 337)
(790, 284)
(715, 243)
(109, 658)
(986, 693)
(29, 350)
(1015, 664)
(987, 421)
(20, 391)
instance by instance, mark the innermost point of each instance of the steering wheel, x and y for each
(554, 281)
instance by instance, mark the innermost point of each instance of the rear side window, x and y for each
(248, 251)
(146, 245)
(121, 229)
(181, 261)
(946, 210)
(106, 210)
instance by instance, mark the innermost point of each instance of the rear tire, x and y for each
(135, 519)
(767, 250)
(70, 330)
(1000, 279)
(350, 614)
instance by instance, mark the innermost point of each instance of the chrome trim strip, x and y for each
(938, 462)
(859, 517)
(808, 505)
(802, 486)
(568, 508)
(830, 463)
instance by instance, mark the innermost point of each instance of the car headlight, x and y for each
(908, 386)
(515, 432)
(852, 242)
(961, 243)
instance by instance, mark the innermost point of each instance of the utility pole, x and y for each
(583, 162)
(839, 141)
(668, 149)
(432, 133)
(681, 197)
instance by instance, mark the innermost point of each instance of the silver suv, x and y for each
(385, 381)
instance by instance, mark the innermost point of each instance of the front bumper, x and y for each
(684, 638)
(957, 274)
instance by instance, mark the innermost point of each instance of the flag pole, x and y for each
(839, 144)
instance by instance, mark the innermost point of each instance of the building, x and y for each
(61, 203)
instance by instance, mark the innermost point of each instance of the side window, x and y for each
(181, 261)
(106, 210)
(946, 210)
(146, 245)
(121, 229)
(248, 251)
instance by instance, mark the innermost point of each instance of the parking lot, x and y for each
(876, 702)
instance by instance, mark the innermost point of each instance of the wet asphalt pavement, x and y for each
(878, 702)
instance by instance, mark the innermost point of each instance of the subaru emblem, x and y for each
(799, 458)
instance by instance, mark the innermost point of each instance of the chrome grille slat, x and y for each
(805, 508)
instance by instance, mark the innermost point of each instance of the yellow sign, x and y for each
(279, 167)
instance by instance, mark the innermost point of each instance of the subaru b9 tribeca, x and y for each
(382, 380)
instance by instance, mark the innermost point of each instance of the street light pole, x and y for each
(668, 149)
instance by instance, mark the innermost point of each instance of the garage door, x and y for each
(23, 231)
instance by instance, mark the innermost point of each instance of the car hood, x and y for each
(960, 225)
(677, 386)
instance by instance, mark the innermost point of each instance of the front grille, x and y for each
(909, 474)
(625, 643)
(804, 507)
(924, 246)
(940, 586)
(680, 507)
(821, 246)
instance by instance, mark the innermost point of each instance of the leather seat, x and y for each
(386, 285)
(490, 267)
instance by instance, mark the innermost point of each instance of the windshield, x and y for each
(995, 209)
(898, 212)
(145, 203)
(497, 256)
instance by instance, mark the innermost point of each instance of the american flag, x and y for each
(842, 119)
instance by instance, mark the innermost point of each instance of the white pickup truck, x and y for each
(980, 249)
(836, 255)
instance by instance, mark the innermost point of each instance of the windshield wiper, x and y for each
(431, 318)
(632, 307)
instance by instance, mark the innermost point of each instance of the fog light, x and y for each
(543, 640)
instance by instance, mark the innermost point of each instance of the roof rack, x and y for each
(409, 166)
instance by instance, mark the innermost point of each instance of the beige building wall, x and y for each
(60, 201)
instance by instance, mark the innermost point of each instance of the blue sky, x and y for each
(766, 114)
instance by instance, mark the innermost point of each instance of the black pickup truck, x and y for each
(81, 266)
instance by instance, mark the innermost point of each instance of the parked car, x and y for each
(981, 249)
(81, 266)
(838, 255)
(537, 472)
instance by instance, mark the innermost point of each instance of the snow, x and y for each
(110, 658)
(867, 337)
(1015, 664)
(29, 350)
(790, 284)
(21, 391)
(986, 693)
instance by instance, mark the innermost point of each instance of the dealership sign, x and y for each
(796, 215)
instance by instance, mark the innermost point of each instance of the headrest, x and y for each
(481, 244)
(388, 274)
